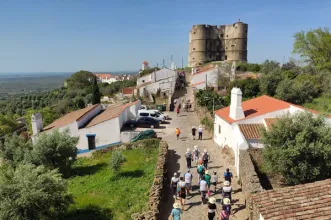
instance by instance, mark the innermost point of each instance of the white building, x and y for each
(105, 78)
(201, 75)
(163, 80)
(238, 125)
(144, 65)
(95, 127)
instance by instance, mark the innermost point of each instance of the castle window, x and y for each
(222, 35)
(232, 45)
(193, 58)
(227, 35)
(234, 25)
(226, 48)
(193, 48)
(193, 32)
(246, 31)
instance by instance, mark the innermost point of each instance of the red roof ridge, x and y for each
(198, 83)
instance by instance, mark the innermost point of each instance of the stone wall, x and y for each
(202, 112)
(250, 181)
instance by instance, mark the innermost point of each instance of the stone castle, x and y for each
(217, 43)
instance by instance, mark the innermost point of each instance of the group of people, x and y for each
(194, 131)
(186, 105)
(182, 186)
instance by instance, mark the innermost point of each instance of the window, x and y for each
(234, 25)
(246, 31)
(222, 35)
(232, 45)
(143, 114)
(226, 57)
(227, 35)
(226, 48)
(143, 81)
(219, 129)
(193, 48)
(193, 58)
(153, 115)
(193, 32)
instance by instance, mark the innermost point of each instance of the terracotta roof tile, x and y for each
(128, 91)
(70, 117)
(305, 201)
(270, 121)
(109, 114)
(251, 131)
(104, 75)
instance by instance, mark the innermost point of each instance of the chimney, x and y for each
(236, 111)
(37, 123)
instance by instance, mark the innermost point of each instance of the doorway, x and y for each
(226, 57)
(91, 141)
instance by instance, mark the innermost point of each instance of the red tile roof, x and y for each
(70, 117)
(251, 131)
(109, 114)
(128, 91)
(255, 107)
(270, 121)
(145, 62)
(305, 201)
(104, 75)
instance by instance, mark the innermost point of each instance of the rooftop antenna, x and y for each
(163, 63)
(239, 19)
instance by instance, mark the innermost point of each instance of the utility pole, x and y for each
(182, 63)
(157, 65)
(206, 81)
(163, 64)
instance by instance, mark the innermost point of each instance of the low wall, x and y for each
(202, 112)
(126, 136)
(250, 182)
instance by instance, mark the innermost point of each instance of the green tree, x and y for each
(95, 92)
(14, 149)
(298, 147)
(269, 82)
(48, 114)
(250, 87)
(269, 66)
(7, 125)
(80, 80)
(314, 47)
(29, 192)
(55, 150)
(116, 161)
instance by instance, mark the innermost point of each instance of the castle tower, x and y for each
(216, 43)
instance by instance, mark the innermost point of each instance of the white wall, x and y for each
(128, 135)
(144, 79)
(257, 143)
(107, 132)
(91, 114)
(201, 77)
(164, 73)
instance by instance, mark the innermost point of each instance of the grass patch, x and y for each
(100, 194)
(321, 104)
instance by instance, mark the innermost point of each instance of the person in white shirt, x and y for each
(200, 132)
(173, 184)
(196, 155)
(188, 181)
(203, 189)
(227, 190)
(214, 180)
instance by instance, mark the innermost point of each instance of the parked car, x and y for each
(150, 113)
(160, 112)
(148, 122)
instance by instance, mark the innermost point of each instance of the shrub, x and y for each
(298, 147)
(29, 192)
(55, 150)
(116, 161)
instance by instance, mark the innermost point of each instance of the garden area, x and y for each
(99, 193)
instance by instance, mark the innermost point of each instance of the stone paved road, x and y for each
(194, 209)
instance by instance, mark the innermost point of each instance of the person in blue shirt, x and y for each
(228, 175)
(176, 212)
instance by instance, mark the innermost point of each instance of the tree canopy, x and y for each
(298, 147)
(28, 192)
(314, 47)
(80, 80)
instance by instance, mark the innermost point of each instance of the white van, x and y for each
(150, 113)
(162, 113)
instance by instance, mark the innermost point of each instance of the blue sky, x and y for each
(107, 35)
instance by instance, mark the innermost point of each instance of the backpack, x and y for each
(227, 209)
(188, 155)
(224, 215)
(200, 169)
(205, 156)
(196, 152)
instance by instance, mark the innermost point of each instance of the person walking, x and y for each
(196, 154)
(181, 188)
(178, 110)
(208, 178)
(212, 209)
(228, 175)
(203, 189)
(227, 190)
(176, 211)
(194, 130)
(200, 132)
(205, 158)
(189, 158)
(201, 172)
(177, 133)
(188, 177)
(226, 209)
(214, 180)
(173, 184)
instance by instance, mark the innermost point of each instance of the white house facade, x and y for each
(238, 125)
(199, 78)
(95, 127)
(105, 78)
